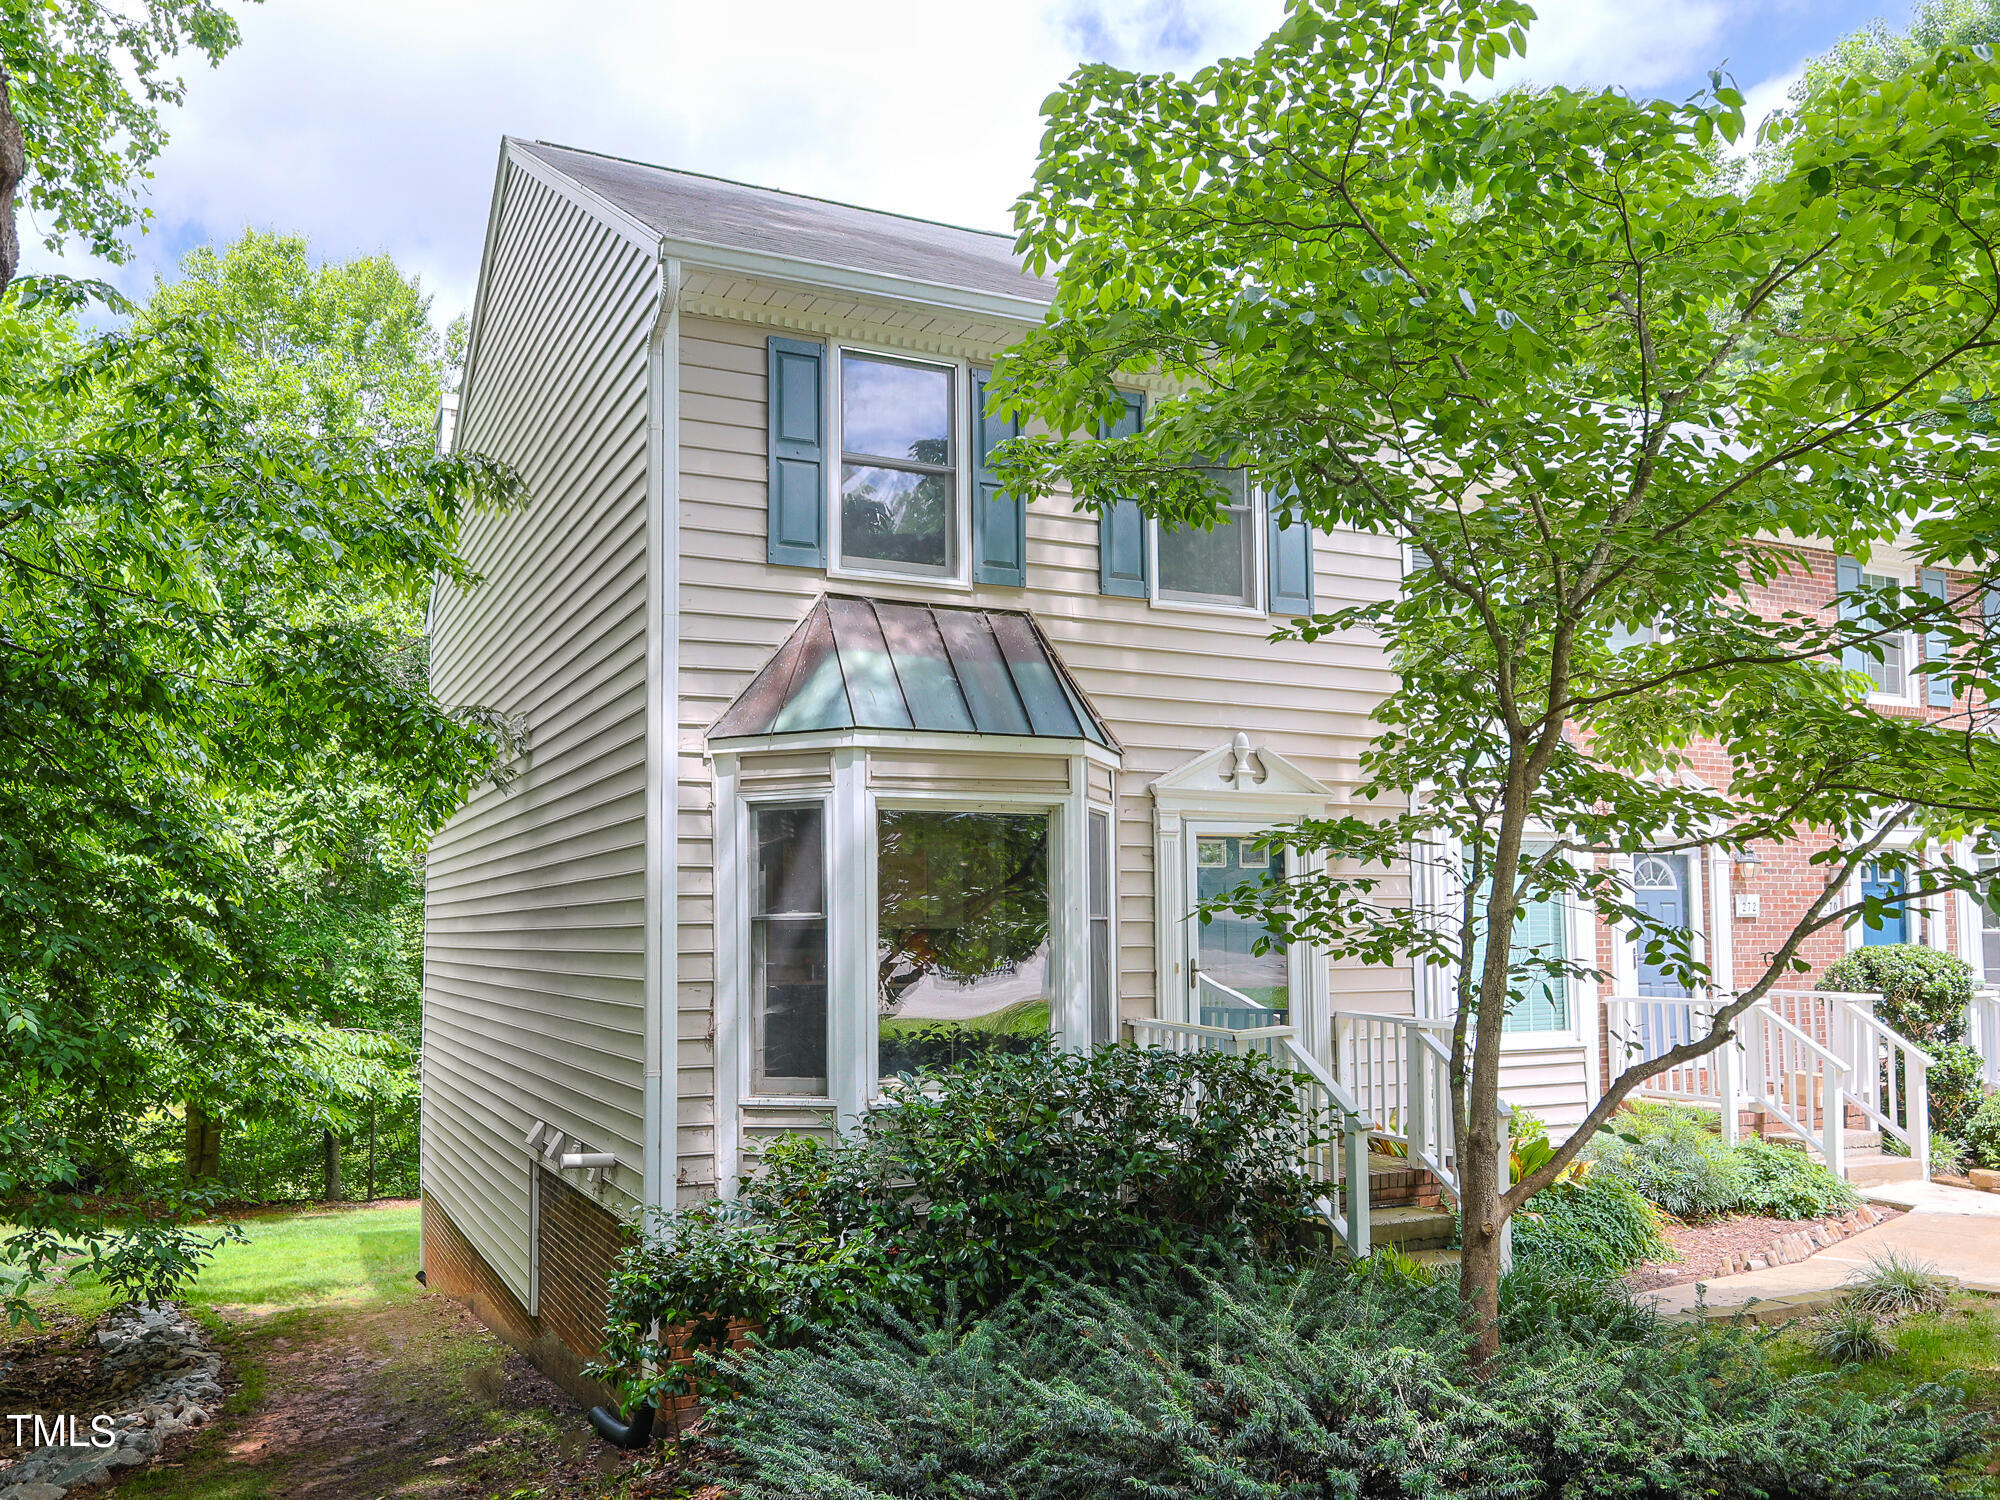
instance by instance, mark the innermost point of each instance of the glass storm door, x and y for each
(1225, 945)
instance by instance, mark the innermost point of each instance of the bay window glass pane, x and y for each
(1225, 945)
(896, 516)
(788, 949)
(1217, 566)
(1103, 1000)
(962, 957)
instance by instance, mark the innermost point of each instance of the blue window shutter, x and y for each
(1937, 682)
(1846, 581)
(1290, 559)
(797, 406)
(1122, 566)
(999, 520)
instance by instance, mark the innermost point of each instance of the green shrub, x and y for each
(1784, 1183)
(1924, 993)
(1316, 1381)
(1849, 1335)
(998, 1174)
(1981, 1134)
(1675, 1157)
(1598, 1226)
(1672, 1157)
(1955, 1090)
(1894, 1287)
(1948, 1157)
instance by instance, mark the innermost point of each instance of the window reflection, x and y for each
(899, 483)
(1216, 566)
(962, 958)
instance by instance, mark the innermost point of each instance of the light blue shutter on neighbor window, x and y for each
(1937, 689)
(1121, 530)
(999, 520)
(797, 404)
(1846, 581)
(1291, 560)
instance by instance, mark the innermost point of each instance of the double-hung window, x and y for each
(898, 465)
(1891, 673)
(1217, 566)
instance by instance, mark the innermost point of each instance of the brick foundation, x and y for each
(577, 1244)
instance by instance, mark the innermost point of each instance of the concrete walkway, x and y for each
(1956, 1230)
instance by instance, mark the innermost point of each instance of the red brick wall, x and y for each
(1786, 882)
(577, 1245)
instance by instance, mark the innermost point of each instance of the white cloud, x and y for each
(374, 124)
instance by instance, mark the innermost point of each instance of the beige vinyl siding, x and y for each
(1549, 1082)
(535, 910)
(1170, 684)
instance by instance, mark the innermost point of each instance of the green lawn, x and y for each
(1959, 1346)
(294, 1258)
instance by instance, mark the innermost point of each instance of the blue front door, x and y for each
(1660, 890)
(1880, 884)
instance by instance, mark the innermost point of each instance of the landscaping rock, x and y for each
(1985, 1181)
(158, 1354)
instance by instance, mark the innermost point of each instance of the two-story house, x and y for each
(839, 759)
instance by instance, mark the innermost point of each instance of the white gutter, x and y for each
(663, 569)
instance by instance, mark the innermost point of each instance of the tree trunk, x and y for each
(13, 167)
(371, 1154)
(330, 1143)
(203, 1154)
(1482, 1235)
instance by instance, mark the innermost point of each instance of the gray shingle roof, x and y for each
(714, 211)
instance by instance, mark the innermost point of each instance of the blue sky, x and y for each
(373, 125)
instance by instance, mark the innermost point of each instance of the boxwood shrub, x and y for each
(971, 1184)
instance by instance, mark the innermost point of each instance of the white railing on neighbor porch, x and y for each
(1805, 1056)
(1983, 1032)
(1338, 1156)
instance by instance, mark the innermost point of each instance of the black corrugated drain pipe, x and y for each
(637, 1433)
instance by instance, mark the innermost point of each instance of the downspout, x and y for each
(662, 968)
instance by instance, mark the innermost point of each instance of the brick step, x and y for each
(1394, 1182)
(1410, 1229)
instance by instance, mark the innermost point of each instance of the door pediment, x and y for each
(1242, 779)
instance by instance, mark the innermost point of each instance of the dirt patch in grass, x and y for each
(56, 1369)
(1704, 1251)
(360, 1400)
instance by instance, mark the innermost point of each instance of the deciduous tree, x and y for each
(1594, 384)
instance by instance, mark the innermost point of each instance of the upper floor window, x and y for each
(1988, 903)
(1890, 674)
(1217, 566)
(899, 465)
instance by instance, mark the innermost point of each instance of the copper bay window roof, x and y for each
(869, 664)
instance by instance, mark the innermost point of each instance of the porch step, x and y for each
(1409, 1228)
(1872, 1168)
(1436, 1260)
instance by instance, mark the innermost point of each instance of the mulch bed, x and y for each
(1706, 1251)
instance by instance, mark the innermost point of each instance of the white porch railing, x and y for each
(1983, 1032)
(1337, 1159)
(1805, 1056)
(1399, 1070)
